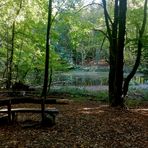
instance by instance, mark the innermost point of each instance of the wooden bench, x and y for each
(52, 112)
(11, 112)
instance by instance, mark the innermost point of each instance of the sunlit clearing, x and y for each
(143, 111)
(94, 110)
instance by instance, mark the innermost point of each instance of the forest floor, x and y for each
(87, 124)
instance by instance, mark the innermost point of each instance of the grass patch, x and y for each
(78, 94)
(133, 102)
(138, 94)
(136, 97)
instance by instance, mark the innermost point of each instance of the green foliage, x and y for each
(75, 37)
(134, 22)
(133, 103)
(146, 95)
(29, 41)
(136, 97)
(81, 94)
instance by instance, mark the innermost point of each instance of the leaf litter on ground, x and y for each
(83, 125)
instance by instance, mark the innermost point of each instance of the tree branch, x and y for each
(107, 21)
(105, 34)
(83, 7)
(98, 5)
(139, 46)
(54, 17)
(102, 43)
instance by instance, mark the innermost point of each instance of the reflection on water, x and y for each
(82, 78)
(87, 79)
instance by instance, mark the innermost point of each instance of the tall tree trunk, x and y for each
(46, 72)
(112, 58)
(111, 78)
(10, 58)
(116, 34)
(50, 77)
(120, 53)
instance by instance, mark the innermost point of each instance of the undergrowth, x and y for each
(81, 94)
(134, 98)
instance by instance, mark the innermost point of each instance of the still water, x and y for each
(92, 80)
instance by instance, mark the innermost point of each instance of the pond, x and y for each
(93, 80)
(82, 78)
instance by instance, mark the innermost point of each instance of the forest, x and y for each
(86, 60)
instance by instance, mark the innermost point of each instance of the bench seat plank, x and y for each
(12, 114)
(33, 110)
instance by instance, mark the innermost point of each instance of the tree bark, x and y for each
(113, 50)
(116, 34)
(10, 59)
(120, 52)
(46, 73)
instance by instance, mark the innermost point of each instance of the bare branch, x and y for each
(85, 6)
(102, 43)
(144, 19)
(104, 33)
(54, 17)
(107, 21)
(98, 5)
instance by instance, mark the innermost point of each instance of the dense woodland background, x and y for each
(77, 41)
